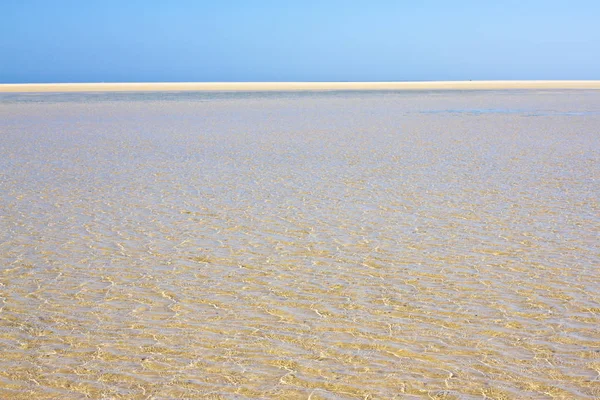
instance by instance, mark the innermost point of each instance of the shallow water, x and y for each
(300, 245)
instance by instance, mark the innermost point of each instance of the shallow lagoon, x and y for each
(296, 245)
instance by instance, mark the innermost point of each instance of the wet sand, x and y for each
(279, 86)
(355, 245)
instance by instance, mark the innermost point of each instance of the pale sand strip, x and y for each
(295, 86)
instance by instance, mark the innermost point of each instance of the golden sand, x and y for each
(289, 86)
(356, 245)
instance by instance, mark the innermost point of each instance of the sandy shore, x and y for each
(292, 86)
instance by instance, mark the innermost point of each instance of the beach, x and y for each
(320, 243)
(293, 86)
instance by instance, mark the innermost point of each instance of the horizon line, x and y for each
(297, 86)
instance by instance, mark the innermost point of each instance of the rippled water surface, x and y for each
(290, 246)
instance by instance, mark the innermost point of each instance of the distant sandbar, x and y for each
(294, 86)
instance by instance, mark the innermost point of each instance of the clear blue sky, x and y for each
(297, 40)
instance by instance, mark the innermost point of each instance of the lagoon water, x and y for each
(332, 245)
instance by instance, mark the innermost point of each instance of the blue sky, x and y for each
(308, 40)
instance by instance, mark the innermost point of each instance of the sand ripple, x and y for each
(355, 245)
